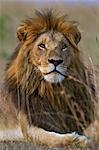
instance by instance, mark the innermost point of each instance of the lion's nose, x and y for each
(55, 62)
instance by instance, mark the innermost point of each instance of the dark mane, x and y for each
(48, 20)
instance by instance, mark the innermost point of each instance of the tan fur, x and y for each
(44, 105)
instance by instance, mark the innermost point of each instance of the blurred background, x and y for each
(12, 12)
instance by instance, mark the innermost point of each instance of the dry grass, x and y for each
(27, 146)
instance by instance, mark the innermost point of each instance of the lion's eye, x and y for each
(42, 46)
(64, 47)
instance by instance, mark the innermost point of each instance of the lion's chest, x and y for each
(60, 109)
(53, 113)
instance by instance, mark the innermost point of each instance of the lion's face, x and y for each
(51, 41)
(51, 55)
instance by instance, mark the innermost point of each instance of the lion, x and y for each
(47, 95)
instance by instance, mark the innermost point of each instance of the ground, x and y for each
(27, 146)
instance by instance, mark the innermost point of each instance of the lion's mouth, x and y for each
(55, 75)
(54, 71)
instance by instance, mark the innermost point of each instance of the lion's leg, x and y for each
(40, 136)
(52, 139)
(19, 131)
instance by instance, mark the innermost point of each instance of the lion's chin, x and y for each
(54, 77)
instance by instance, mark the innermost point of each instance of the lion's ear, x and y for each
(76, 33)
(22, 32)
(77, 36)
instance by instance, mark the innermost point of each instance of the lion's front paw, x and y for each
(72, 138)
(83, 141)
(80, 140)
(75, 138)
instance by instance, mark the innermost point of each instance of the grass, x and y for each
(25, 146)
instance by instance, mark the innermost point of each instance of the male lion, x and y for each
(47, 94)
